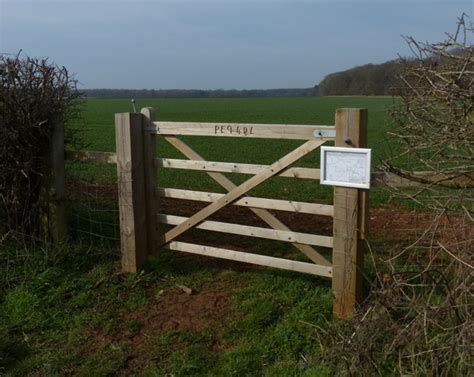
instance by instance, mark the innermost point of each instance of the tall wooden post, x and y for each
(149, 151)
(52, 206)
(349, 220)
(129, 137)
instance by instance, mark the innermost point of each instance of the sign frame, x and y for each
(367, 152)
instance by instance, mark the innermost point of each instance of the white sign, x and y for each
(347, 167)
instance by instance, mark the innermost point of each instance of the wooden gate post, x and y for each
(53, 221)
(149, 151)
(129, 138)
(350, 207)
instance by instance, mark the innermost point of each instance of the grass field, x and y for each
(97, 127)
(98, 115)
(69, 310)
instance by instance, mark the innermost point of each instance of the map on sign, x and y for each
(347, 167)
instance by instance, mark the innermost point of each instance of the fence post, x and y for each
(149, 150)
(52, 206)
(350, 207)
(131, 187)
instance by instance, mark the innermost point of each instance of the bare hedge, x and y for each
(35, 95)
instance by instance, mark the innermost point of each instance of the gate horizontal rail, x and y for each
(252, 231)
(257, 259)
(378, 178)
(253, 202)
(232, 167)
(250, 130)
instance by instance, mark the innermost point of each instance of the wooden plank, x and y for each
(233, 167)
(351, 125)
(91, 156)
(252, 231)
(249, 130)
(263, 214)
(248, 201)
(261, 260)
(131, 188)
(239, 191)
(378, 178)
(149, 150)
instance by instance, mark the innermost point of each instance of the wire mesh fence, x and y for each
(93, 214)
(92, 202)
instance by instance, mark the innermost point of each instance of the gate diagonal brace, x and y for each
(266, 216)
(238, 191)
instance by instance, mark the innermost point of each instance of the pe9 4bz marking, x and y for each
(233, 130)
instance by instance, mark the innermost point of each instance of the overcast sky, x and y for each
(210, 44)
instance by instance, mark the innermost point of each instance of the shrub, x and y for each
(35, 97)
(418, 319)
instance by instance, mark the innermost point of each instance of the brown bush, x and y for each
(35, 96)
(418, 318)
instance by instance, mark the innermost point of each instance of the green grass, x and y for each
(68, 310)
(97, 127)
(98, 116)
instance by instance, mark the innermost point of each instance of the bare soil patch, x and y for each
(169, 310)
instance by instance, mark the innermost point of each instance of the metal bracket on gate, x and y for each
(324, 133)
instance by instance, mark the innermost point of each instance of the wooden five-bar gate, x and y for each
(139, 195)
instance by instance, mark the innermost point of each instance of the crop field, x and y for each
(97, 128)
(70, 311)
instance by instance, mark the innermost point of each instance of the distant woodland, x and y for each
(369, 79)
(197, 93)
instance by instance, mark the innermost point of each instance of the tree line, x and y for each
(197, 93)
(368, 79)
